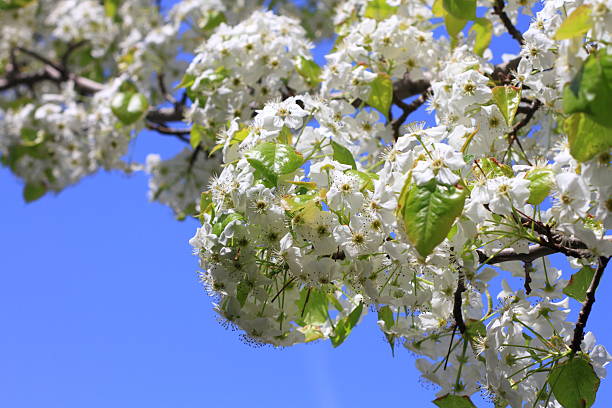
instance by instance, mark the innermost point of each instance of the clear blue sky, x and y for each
(100, 306)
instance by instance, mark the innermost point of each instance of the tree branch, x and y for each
(498, 8)
(583, 317)
(407, 109)
(161, 128)
(458, 302)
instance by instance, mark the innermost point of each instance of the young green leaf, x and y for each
(211, 20)
(313, 306)
(541, 181)
(379, 10)
(591, 89)
(13, 4)
(579, 284)
(343, 155)
(574, 383)
(428, 212)
(129, 107)
(484, 33)
(507, 99)
(461, 9)
(110, 7)
(345, 326)
(386, 315)
(274, 159)
(454, 26)
(454, 401)
(587, 138)
(381, 93)
(33, 191)
(309, 70)
(576, 24)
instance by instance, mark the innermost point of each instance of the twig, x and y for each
(407, 109)
(527, 267)
(498, 8)
(179, 133)
(458, 301)
(583, 317)
(513, 135)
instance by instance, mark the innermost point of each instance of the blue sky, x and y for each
(100, 306)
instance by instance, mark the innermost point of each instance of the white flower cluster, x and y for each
(177, 181)
(239, 68)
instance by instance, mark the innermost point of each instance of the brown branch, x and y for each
(583, 317)
(458, 302)
(407, 109)
(179, 133)
(513, 135)
(498, 8)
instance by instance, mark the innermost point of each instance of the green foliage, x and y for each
(576, 24)
(310, 71)
(484, 33)
(507, 99)
(211, 20)
(574, 383)
(343, 155)
(590, 91)
(199, 134)
(587, 138)
(454, 401)
(345, 326)
(223, 221)
(271, 160)
(428, 212)
(128, 105)
(379, 10)
(381, 93)
(493, 168)
(312, 304)
(386, 315)
(541, 182)
(461, 9)
(33, 191)
(110, 7)
(579, 284)
(13, 4)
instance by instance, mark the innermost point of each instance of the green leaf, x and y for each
(345, 326)
(461, 9)
(586, 137)
(274, 159)
(576, 24)
(454, 401)
(187, 81)
(343, 155)
(541, 181)
(574, 383)
(201, 134)
(475, 328)
(242, 291)
(309, 70)
(507, 99)
(379, 10)
(438, 9)
(591, 89)
(484, 33)
(366, 179)
(223, 221)
(13, 4)
(454, 26)
(211, 20)
(129, 107)
(579, 284)
(110, 8)
(381, 93)
(386, 315)
(312, 305)
(33, 191)
(428, 212)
